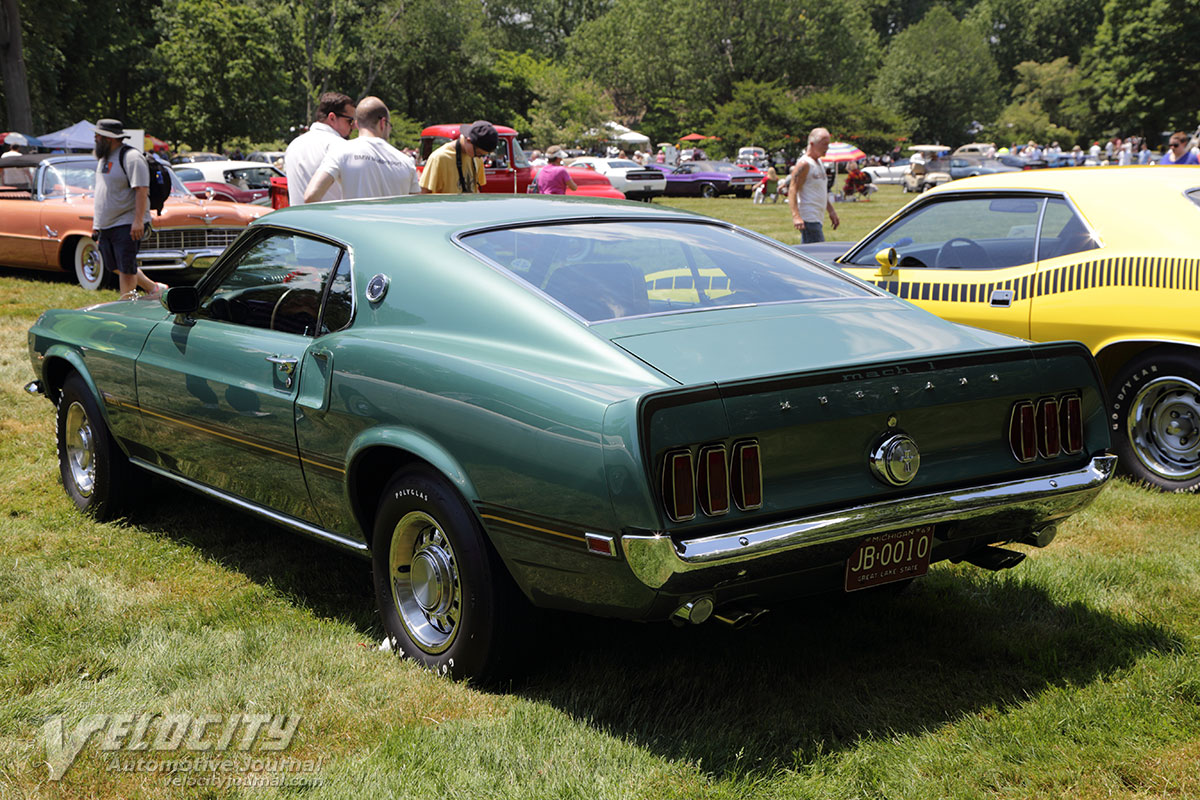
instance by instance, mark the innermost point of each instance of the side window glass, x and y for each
(339, 303)
(499, 157)
(1063, 232)
(962, 233)
(276, 284)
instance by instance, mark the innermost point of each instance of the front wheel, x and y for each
(95, 473)
(708, 190)
(1155, 418)
(444, 597)
(89, 266)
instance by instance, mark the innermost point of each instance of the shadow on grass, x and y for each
(816, 677)
(820, 675)
(327, 581)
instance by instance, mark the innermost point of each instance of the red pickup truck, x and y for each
(508, 169)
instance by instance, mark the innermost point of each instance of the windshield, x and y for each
(78, 176)
(609, 270)
(250, 177)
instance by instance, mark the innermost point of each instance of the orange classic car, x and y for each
(46, 221)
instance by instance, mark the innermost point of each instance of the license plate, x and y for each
(888, 557)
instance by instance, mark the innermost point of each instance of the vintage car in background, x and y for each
(892, 173)
(1057, 254)
(232, 181)
(46, 221)
(708, 179)
(195, 157)
(629, 177)
(266, 156)
(508, 168)
(495, 401)
(968, 166)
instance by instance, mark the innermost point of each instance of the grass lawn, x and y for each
(1074, 676)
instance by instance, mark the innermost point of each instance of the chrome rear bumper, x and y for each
(1037, 501)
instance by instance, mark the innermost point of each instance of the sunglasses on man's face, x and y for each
(1177, 144)
(345, 117)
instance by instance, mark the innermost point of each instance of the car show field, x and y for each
(1076, 675)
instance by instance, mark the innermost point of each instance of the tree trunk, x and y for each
(12, 69)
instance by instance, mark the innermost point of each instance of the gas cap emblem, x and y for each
(377, 287)
(896, 459)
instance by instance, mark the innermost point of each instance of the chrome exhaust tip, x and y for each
(695, 611)
(35, 387)
(994, 558)
(738, 618)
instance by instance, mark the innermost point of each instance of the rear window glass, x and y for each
(610, 270)
(1194, 196)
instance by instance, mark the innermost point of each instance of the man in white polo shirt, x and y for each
(335, 120)
(367, 166)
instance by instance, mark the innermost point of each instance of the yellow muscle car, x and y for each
(1110, 257)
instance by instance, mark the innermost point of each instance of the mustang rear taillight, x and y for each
(746, 479)
(712, 480)
(679, 486)
(1070, 411)
(1049, 443)
(1048, 428)
(1022, 432)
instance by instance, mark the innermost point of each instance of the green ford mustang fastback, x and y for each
(597, 406)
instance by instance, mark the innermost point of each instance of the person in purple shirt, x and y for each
(554, 177)
(1178, 152)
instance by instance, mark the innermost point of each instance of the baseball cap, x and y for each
(483, 135)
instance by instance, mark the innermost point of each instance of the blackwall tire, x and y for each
(708, 190)
(445, 599)
(95, 473)
(89, 266)
(1154, 416)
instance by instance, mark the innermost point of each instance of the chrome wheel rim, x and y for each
(91, 269)
(1164, 428)
(426, 588)
(81, 449)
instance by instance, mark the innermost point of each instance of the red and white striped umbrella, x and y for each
(841, 152)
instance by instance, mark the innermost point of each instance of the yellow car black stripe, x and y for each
(1178, 274)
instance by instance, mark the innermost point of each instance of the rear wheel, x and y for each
(1155, 418)
(89, 266)
(95, 473)
(445, 599)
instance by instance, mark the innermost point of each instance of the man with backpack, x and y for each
(122, 207)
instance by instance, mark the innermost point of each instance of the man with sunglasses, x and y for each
(335, 120)
(1178, 152)
(367, 166)
(457, 167)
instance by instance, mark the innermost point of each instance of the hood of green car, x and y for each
(769, 340)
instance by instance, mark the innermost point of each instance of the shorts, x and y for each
(118, 250)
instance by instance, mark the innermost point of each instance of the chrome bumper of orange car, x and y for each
(1041, 501)
(179, 259)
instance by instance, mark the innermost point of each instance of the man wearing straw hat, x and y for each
(122, 207)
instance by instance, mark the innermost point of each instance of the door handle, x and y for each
(1002, 298)
(286, 365)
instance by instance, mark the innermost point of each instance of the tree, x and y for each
(760, 114)
(221, 76)
(939, 76)
(12, 69)
(850, 118)
(1145, 65)
(1033, 30)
